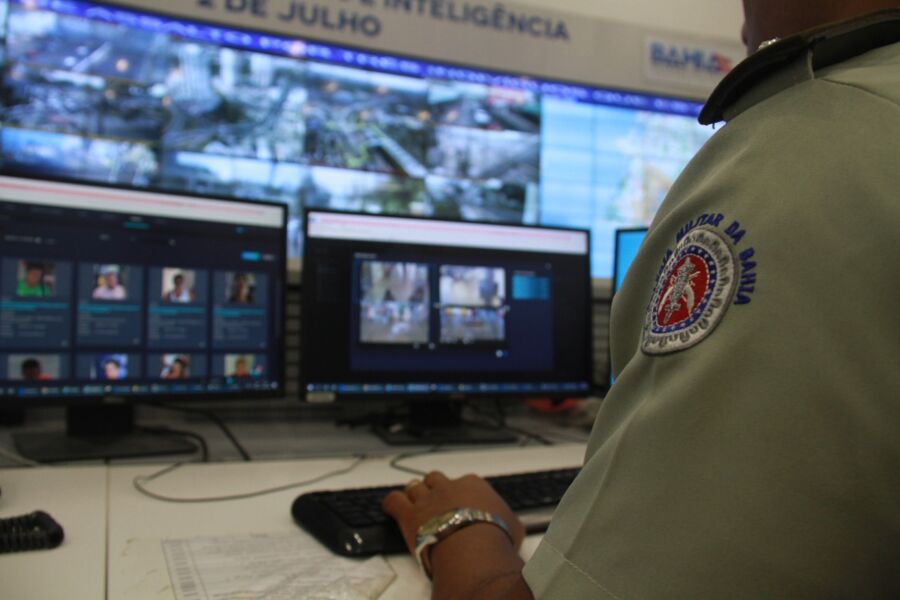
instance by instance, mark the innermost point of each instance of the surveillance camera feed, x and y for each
(96, 93)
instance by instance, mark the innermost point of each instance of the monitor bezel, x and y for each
(17, 401)
(438, 396)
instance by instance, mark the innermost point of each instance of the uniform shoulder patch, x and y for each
(694, 290)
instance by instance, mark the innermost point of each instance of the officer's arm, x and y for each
(478, 562)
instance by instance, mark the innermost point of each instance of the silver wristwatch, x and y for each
(440, 527)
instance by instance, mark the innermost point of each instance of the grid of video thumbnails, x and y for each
(82, 328)
(396, 305)
(121, 103)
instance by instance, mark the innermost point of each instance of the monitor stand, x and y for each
(96, 433)
(437, 423)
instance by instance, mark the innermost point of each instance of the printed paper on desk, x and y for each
(278, 566)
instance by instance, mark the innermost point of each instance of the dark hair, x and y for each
(32, 266)
(30, 363)
(176, 277)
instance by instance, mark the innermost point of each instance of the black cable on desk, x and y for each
(202, 446)
(501, 424)
(215, 419)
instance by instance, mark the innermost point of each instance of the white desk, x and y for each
(113, 538)
(137, 524)
(76, 498)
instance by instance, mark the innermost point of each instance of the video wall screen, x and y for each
(95, 93)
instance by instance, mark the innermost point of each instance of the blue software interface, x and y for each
(111, 291)
(413, 306)
(111, 94)
(628, 242)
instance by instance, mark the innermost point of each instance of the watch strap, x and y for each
(442, 526)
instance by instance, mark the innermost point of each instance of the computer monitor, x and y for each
(434, 311)
(627, 243)
(110, 296)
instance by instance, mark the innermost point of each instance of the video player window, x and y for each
(473, 286)
(151, 292)
(394, 308)
(460, 325)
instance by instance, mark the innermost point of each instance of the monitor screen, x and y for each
(405, 307)
(114, 292)
(112, 94)
(628, 242)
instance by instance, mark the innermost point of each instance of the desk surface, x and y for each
(113, 546)
(76, 498)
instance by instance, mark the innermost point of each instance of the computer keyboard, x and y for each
(350, 521)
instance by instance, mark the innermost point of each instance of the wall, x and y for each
(707, 18)
(638, 45)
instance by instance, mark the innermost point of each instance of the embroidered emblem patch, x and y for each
(695, 289)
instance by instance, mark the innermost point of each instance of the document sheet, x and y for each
(278, 566)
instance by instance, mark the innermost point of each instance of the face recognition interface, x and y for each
(404, 308)
(106, 291)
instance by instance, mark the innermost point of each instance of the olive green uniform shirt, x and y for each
(755, 451)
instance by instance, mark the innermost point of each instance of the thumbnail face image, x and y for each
(178, 285)
(110, 367)
(472, 325)
(110, 282)
(395, 303)
(472, 286)
(33, 367)
(240, 288)
(242, 366)
(35, 279)
(175, 366)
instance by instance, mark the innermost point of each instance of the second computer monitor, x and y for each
(408, 308)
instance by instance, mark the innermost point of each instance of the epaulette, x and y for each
(830, 44)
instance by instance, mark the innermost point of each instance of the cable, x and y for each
(19, 460)
(215, 419)
(202, 446)
(140, 482)
(395, 462)
(500, 423)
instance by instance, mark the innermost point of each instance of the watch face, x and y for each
(435, 524)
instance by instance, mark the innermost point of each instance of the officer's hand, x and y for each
(437, 495)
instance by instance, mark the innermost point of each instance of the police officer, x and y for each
(749, 447)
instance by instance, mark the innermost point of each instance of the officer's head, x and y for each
(768, 19)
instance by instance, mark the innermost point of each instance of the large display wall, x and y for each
(109, 95)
